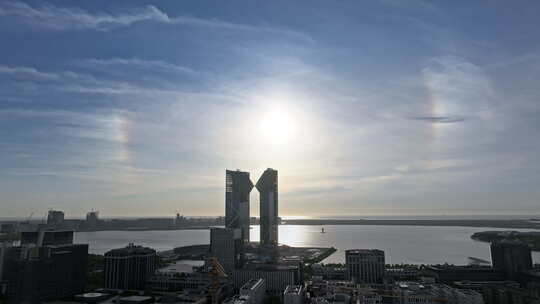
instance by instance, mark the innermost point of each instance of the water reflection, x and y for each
(402, 244)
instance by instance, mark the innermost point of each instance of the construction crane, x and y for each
(216, 272)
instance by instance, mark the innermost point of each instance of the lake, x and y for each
(402, 244)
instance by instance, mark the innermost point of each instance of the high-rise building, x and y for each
(226, 246)
(92, 218)
(33, 274)
(511, 258)
(268, 189)
(365, 265)
(237, 189)
(129, 267)
(55, 218)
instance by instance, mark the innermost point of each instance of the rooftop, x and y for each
(293, 289)
(252, 284)
(131, 249)
(364, 251)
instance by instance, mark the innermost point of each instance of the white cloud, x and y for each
(135, 62)
(64, 18)
(27, 73)
(59, 18)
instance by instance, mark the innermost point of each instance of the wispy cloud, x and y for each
(136, 62)
(64, 18)
(60, 18)
(440, 119)
(26, 73)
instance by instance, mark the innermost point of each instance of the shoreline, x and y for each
(499, 224)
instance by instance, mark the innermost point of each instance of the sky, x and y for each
(137, 108)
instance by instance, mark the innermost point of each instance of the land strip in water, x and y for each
(530, 238)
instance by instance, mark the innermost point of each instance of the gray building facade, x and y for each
(33, 274)
(365, 266)
(129, 267)
(511, 258)
(268, 189)
(238, 186)
(226, 245)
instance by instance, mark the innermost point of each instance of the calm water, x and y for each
(402, 244)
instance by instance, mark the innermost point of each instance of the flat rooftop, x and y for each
(177, 267)
(293, 289)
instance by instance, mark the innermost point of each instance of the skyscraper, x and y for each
(226, 246)
(268, 189)
(55, 218)
(511, 257)
(237, 189)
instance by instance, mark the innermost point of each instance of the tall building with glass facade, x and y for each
(268, 189)
(227, 247)
(237, 189)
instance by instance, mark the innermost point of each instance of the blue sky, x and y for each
(383, 107)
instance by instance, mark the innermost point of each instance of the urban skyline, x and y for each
(392, 145)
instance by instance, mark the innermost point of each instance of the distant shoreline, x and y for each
(502, 224)
(480, 223)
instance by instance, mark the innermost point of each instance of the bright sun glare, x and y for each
(277, 126)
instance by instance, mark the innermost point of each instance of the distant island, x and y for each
(530, 238)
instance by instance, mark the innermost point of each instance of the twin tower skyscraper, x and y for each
(238, 186)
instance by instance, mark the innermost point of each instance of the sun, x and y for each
(277, 126)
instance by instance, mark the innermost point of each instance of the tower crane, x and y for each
(216, 272)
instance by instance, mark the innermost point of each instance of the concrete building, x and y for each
(450, 273)
(329, 272)
(92, 219)
(237, 189)
(47, 237)
(404, 273)
(277, 277)
(365, 266)
(293, 294)
(268, 189)
(511, 258)
(179, 277)
(55, 218)
(33, 274)
(415, 293)
(226, 245)
(129, 267)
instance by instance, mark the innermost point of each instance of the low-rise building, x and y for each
(414, 293)
(329, 272)
(254, 290)
(294, 294)
(276, 276)
(129, 267)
